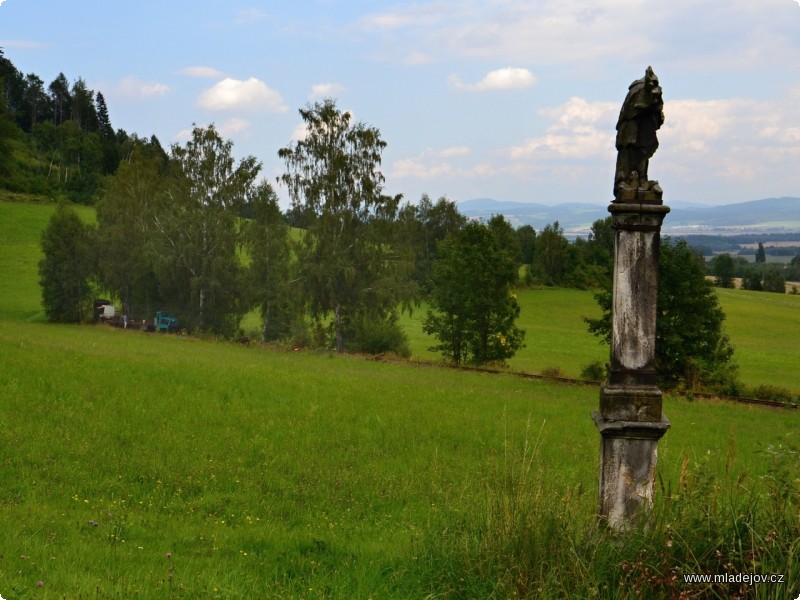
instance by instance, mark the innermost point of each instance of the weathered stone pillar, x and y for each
(630, 420)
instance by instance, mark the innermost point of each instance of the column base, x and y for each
(628, 456)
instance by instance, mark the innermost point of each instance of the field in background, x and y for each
(21, 226)
(764, 328)
(144, 465)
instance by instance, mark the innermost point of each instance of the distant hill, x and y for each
(770, 215)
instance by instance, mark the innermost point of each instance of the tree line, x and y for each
(57, 139)
(758, 276)
(195, 232)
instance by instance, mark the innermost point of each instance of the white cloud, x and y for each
(233, 126)
(28, 44)
(184, 135)
(209, 72)
(454, 151)
(731, 140)
(299, 133)
(579, 130)
(431, 164)
(228, 128)
(571, 33)
(234, 94)
(321, 90)
(133, 87)
(415, 59)
(549, 31)
(415, 15)
(416, 167)
(508, 78)
(250, 15)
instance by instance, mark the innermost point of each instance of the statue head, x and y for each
(651, 83)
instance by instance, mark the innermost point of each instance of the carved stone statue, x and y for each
(641, 116)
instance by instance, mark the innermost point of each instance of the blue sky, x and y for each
(507, 99)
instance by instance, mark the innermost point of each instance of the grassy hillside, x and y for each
(21, 224)
(556, 333)
(764, 328)
(151, 466)
(137, 464)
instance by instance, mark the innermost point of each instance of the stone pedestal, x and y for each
(628, 456)
(630, 418)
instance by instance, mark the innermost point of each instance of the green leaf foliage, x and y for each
(267, 242)
(127, 239)
(67, 266)
(197, 256)
(473, 305)
(724, 269)
(349, 267)
(691, 346)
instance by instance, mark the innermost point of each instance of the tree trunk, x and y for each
(337, 320)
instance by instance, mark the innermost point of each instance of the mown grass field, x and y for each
(764, 328)
(137, 465)
(151, 466)
(21, 226)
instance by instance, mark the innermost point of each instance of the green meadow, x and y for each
(137, 465)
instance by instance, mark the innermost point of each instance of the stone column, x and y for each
(630, 420)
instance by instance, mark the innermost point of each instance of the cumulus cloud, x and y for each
(233, 126)
(133, 87)
(300, 132)
(249, 15)
(579, 129)
(728, 141)
(208, 72)
(321, 90)
(508, 78)
(234, 94)
(733, 139)
(431, 164)
(415, 59)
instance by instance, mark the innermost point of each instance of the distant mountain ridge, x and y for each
(769, 215)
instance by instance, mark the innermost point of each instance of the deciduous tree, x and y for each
(691, 346)
(267, 240)
(724, 269)
(197, 261)
(348, 268)
(473, 306)
(60, 99)
(526, 235)
(127, 242)
(551, 257)
(67, 267)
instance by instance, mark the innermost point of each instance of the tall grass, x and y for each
(284, 474)
(148, 466)
(533, 539)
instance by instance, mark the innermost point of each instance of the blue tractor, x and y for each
(166, 322)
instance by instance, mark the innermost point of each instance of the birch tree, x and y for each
(348, 269)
